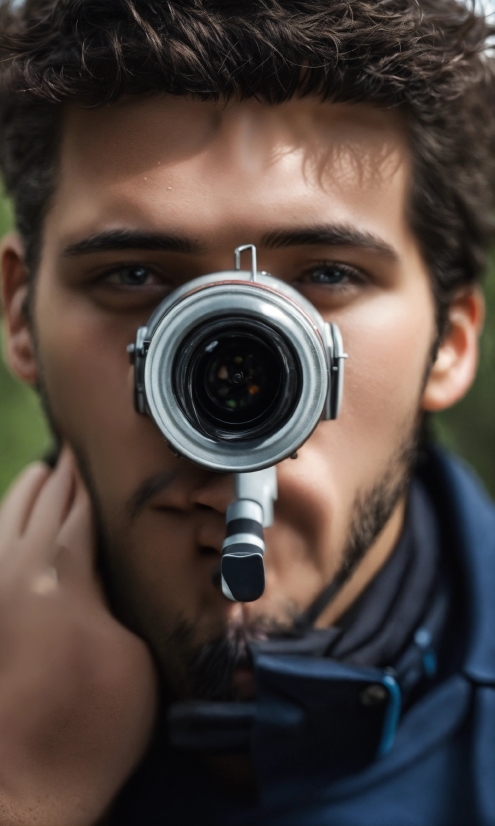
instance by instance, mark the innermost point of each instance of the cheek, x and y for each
(388, 342)
(388, 339)
(89, 383)
(388, 347)
(86, 376)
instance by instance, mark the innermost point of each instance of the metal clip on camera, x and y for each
(237, 369)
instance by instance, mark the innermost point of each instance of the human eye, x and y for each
(332, 274)
(130, 285)
(133, 275)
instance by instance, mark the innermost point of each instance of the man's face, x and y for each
(195, 180)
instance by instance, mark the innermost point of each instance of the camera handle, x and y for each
(243, 572)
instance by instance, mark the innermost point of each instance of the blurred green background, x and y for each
(468, 428)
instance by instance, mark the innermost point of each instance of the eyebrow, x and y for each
(333, 235)
(123, 239)
(320, 235)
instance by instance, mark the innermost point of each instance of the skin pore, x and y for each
(154, 192)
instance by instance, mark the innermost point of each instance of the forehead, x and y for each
(146, 159)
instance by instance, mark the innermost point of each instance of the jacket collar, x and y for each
(469, 515)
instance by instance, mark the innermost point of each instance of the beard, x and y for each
(210, 668)
(205, 671)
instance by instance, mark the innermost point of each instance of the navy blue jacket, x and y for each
(440, 770)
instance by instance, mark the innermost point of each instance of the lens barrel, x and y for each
(234, 371)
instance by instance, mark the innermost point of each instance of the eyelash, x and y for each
(120, 271)
(353, 275)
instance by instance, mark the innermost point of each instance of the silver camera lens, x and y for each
(237, 369)
(237, 379)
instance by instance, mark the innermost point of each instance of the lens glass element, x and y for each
(236, 378)
(240, 377)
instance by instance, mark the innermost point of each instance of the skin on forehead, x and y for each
(148, 158)
(221, 175)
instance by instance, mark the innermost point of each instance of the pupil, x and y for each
(135, 275)
(327, 276)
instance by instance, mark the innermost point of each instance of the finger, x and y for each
(76, 539)
(19, 501)
(50, 509)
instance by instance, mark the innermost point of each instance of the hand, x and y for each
(77, 689)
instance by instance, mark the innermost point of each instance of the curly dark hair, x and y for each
(427, 57)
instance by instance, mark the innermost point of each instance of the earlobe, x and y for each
(454, 369)
(20, 351)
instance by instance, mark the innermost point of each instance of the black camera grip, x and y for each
(243, 572)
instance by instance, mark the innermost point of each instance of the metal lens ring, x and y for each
(282, 381)
(237, 378)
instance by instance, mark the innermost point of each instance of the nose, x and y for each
(216, 492)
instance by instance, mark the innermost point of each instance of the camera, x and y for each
(236, 369)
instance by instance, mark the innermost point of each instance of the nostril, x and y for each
(216, 576)
(207, 550)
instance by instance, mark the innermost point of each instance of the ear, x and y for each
(19, 344)
(454, 369)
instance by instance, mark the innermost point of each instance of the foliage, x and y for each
(23, 433)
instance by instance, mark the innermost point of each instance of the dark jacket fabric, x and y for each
(440, 769)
